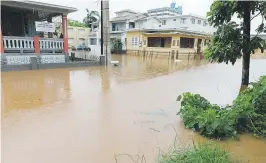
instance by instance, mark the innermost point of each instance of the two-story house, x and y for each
(188, 22)
(126, 20)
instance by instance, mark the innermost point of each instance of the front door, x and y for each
(199, 46)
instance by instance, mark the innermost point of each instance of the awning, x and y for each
(38, 6)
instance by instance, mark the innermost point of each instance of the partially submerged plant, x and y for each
(247, 113)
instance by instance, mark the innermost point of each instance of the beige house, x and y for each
(77, 36)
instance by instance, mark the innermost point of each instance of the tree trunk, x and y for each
(246, 44)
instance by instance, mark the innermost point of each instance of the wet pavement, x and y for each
(91, 114)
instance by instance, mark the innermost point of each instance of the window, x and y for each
(164, 42)
(81, 30)
(164, 22)
(70, 30)
(206, 42)
(93, 41)
(131, 25)
(204, 23)
(173, 43)
(174, 20)
(81, 41)
(199, 21)
(183, 21)
(134, 41)
(186, 42)
(70, 40)
(177, 43)
(192, 20)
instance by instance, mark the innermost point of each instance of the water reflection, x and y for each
(24, 90)
(89, 114)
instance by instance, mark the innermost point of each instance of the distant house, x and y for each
(263, 36)
(166, 41)
(77, 36)
(126, 20)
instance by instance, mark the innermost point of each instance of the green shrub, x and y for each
(247, 113)
(203, 153)
(210, 120)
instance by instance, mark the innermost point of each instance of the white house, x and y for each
(127, 20)
(165, 12)
(189, 22)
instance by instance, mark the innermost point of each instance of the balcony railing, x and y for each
(17, 43)
(14, 44)
(51, 44)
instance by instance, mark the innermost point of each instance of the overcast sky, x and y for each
(197, 7)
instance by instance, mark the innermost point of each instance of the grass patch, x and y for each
(202, 153)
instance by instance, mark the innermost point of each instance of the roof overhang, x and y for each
(171, 31)
(38, 6)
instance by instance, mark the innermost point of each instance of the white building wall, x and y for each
(170, 23)
(148, 24)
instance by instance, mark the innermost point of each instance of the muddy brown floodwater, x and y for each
(87, 115)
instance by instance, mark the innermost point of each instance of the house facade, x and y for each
(126, 20)
(165, 12)
(20, 40)
(167, 41)
(188, 22)
(77, 36)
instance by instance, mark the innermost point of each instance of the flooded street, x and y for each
(87, 115)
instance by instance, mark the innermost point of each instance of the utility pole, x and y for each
(102, 27)
(105, 32)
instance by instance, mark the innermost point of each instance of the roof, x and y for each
(126, 10)
(188, 15)
(128, 17)
(172, 31)
(39, 6)
(163, 9)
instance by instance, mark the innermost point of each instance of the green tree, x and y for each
(92, 16)
(76, 23)
(231, 40)
(117, 44)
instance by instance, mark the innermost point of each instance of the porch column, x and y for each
(64, 25)
(1, 41)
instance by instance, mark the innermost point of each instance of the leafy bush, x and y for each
(210, 120)
(117, 44)
(205, 153)
(247, 113)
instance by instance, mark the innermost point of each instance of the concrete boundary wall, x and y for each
(5, 68)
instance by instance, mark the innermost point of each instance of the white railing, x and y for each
(52, 43)
(12, 42)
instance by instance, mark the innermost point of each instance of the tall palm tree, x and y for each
(92, 16)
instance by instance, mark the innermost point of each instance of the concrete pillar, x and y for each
(34, 63)
(106, 31)
(36, 45)
(65, 34)
(1, 41)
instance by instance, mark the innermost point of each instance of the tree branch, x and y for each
(258, 32)
(255, 16)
